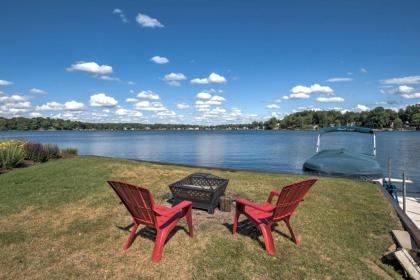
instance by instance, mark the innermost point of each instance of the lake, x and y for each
(275, 151)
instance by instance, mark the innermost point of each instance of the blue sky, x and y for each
(205, 62)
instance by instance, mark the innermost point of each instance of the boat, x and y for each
(342, 162)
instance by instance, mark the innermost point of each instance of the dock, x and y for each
(412, 203)
(412, 199)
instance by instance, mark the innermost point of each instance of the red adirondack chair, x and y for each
(139, 202)
(263, 215)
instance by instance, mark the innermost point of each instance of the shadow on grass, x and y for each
(247, 228)
(150, 233)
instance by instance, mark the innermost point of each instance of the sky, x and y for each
(205, 62)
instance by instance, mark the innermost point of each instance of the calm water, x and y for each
(277, 151)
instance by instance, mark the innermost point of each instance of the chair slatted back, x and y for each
(138, 201)
(290, 197)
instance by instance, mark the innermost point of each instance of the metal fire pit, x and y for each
(203, 189)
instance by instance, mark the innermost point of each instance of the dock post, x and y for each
(404, 192)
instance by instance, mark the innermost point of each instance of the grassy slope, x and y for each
(61, 220)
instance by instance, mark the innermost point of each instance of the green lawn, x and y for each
(61, 220)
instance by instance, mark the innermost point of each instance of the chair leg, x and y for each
(268, 238)
(131, 237)
(188, 216)
(289, 226)
(159, 244)
(235, 220)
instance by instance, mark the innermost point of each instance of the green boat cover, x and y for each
(341, 162)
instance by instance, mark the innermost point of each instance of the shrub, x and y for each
(35, 152)
(52, 151)
(11, 142)
(68, 152)
(11, 156)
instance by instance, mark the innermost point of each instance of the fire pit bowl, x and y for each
(203, 189)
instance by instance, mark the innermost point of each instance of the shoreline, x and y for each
(194, 130)
(230, 169)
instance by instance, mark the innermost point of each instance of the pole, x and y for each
(318, 143)
(389, 171)
(374, 144)
(404, 193)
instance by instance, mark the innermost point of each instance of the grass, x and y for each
(61, 220)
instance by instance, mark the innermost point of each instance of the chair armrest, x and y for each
(254, 205)
(180, 206)
(272, 194)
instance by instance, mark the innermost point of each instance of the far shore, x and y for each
(200, 129)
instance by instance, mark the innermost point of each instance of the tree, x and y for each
(3, 124)
(398, 123)
(271, 124)
(415, 120)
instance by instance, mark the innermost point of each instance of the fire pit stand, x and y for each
(203, 189)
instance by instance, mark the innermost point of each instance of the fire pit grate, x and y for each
(203, 189)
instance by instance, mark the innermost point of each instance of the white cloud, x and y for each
(334, 99)
(361, 108)
(35, 114)
(363, 70)
(166, 113)
(411, 95)
(203, 95)
(199, 81)
(302, 92)
(131, 83)
(339, 79)
(50, 106)
(91, 67)
(174, 79)
(405, 89)
(125, 112)
(121, 14)
(402, 80)
(182, 106)
(74, 106)
(272, 106)
(285, 97)
(217, 110)
(22, 105)
(215, 100)
(131, 100)
(14, 104)
(299, 95)
(212, 78)
(5, 83)
(16, 107)
(14, 98)
(313, 88)
(146, 21)
(202, 106)
(159, 60)
(149, 106)
(102, 100)
(37, 91)
(148, 94)
(216, 78)
(108, 78)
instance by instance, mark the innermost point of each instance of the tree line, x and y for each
(379, 118)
